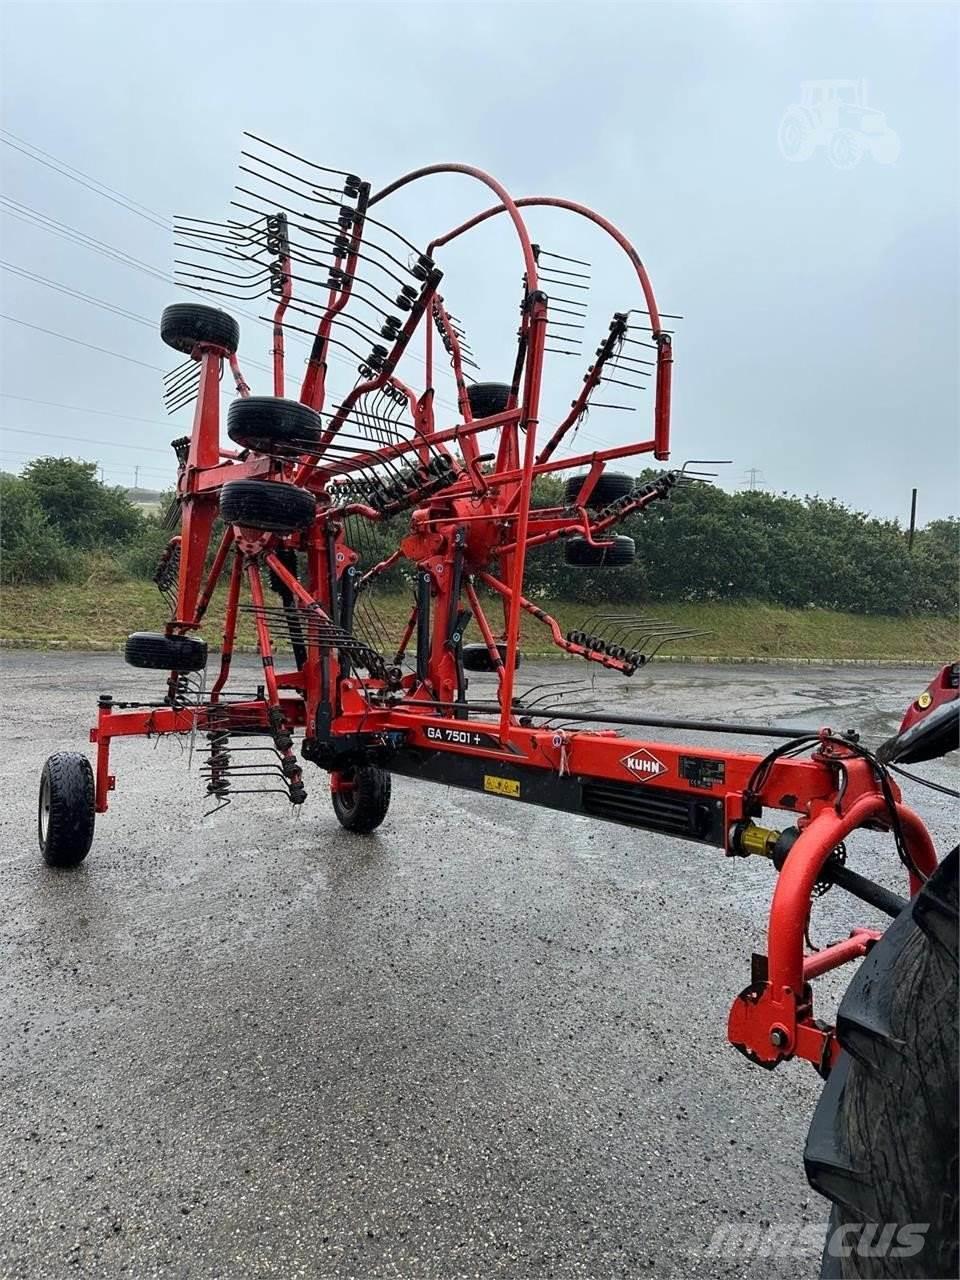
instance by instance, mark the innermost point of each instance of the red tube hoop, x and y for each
(557, 202)
(507, 205)
(530, 400)
(661, 437)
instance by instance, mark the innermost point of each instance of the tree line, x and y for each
(703, 544)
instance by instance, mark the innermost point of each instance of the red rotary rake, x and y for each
(311, 486)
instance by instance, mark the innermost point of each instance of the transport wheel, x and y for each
(267, 504)
(65, 814)
(159, 652)
(476, 657)
(883, 1142)
(365, 805)
(488, 398)
(578, 551)
(269, 424)
(611, 486)
(186, 325)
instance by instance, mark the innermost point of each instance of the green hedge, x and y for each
(702, 545)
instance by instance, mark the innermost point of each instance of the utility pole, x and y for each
(754, 476)
(136, 477)
(100, 469)
(913, 519)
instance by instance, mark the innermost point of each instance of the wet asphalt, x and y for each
(487, 1041)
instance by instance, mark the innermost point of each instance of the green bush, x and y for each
(86, 513)
(31, 549)
(708, 545)
(933, 581)
(56, 516)
(141, 555)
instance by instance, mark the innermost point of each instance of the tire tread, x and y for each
(72, 809)
(883, 1142)
(185, 325)
(372, 787)
(270, 505)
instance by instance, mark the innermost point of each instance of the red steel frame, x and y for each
(485, 518)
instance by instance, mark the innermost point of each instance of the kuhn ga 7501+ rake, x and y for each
(302, 496)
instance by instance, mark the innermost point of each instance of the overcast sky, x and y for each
(819, 344)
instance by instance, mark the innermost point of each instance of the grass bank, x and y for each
(99, 615)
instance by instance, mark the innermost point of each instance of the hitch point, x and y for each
(747, 838)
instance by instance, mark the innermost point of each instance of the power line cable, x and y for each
(58, 435)
(66, 338)
(99, 188)
(105, 413)
(35, 278)
(50, 161)
(109, 466)
(44, 222)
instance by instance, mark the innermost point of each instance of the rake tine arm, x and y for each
(312, 389)
(592, 380)
(406, 637)
(383, 565)
(239, 380)
(387, 371)
(452, 343)
(485, 631)
(614, 664)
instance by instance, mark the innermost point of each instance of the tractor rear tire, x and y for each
(158, 652)
(488, 398)
(621, 551)
(611, 486)
(187, 325)
(365, 805)
(883, 1142)
(66, 811)
(269, 424)
(476, 657)
(270, 505)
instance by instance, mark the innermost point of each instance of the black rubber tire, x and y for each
(611, 486)
(477, 658)
(269, 424)
(488, 398)
(186, 325)
(267, 504)
(66, 809)
(883, 1145)
(158, 652)
(365, 807)
(622, 551)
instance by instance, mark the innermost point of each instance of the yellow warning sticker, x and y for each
(501, 786)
